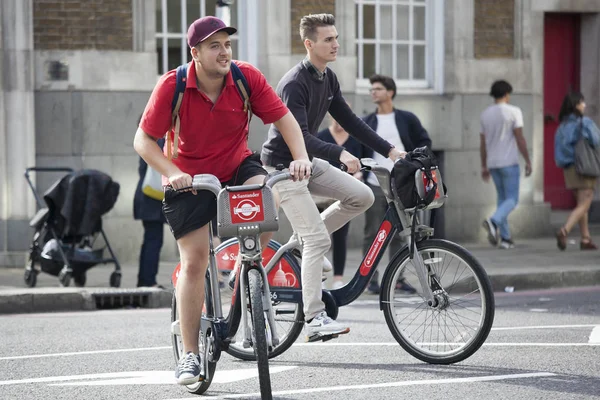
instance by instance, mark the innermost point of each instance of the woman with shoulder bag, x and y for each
(573, 127)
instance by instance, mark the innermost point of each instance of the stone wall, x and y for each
(77, 25)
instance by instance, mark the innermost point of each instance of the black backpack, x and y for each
(405, 185)
(240, 83)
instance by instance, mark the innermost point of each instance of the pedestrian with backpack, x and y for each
(205, 109)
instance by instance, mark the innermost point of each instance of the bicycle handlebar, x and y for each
(366, 164)
(277, 177)
(212, 184)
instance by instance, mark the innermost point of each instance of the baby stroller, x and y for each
(67, 224)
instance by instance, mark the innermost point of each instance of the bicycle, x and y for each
(451, 285)
(245, 212)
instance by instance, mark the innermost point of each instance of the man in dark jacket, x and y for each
(403, 130)
(150, 212)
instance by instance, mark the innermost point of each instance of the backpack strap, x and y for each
(175, 105)
(242, 86)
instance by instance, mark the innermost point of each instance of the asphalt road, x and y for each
(544, 345)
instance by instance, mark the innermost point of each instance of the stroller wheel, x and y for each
(79, 279)
(30, 277)
(64, 277)
(115, 279)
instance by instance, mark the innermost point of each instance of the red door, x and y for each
(561, 74)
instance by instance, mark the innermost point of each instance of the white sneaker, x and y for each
(337, 285)
(322, 327)
(327, 265)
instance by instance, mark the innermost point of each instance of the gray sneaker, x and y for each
(492, 231)
(188, 370)
(322, 327)
(507, 244)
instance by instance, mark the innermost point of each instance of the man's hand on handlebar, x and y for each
(352, 163)
(396, 154)
(180, 180)
(300, 169)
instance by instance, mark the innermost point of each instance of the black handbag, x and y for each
(587, 158)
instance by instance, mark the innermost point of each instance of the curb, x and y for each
(66, 299)
(545, 280)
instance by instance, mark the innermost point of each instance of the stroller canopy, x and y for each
(78, 201)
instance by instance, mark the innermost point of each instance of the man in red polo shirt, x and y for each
(212, 139)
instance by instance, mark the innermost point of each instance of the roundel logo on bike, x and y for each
(246, 206)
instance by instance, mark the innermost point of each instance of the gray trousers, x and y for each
(314, 228)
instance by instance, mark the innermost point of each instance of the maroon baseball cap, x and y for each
(204, 27)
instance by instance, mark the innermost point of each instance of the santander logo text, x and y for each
(384, 231)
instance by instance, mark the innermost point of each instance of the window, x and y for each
(399, 38)
(173, 17)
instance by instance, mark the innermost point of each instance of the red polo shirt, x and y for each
(212, 136)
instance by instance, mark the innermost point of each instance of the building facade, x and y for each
(76, 76)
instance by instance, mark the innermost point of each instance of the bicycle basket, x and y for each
(418, 181)
(246, 210)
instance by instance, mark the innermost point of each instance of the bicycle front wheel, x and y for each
(289, 318)
(456, 326)
(259, 332)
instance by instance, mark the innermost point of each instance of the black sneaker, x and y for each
(492, 231)
(403, 286)
(188, 369)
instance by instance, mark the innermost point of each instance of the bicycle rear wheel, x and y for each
(454, 328)
(206, 348)
(259, 332)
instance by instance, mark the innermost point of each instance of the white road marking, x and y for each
(499, 344)
(516, 328)
(473, 379)
(80, 353)
(538, 309)
(504, 328)
(595, 335)
(141, 377)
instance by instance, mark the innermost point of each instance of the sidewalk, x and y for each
(532, 264)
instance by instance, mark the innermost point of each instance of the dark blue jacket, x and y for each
(412, 133)
(144, 207)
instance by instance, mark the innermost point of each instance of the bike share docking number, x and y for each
(246, 207)
(382, 234)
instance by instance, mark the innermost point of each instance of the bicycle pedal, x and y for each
(321, 338)
(329, 337)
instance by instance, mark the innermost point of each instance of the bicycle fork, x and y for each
(422, 273)
(272, 338)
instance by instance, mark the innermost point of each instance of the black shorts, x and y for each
(186, 212)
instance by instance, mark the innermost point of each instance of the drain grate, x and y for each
(121, 300)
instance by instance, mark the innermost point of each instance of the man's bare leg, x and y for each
(193, 249)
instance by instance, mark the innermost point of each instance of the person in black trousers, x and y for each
(403, 129)
(337, 135)
(149, 211)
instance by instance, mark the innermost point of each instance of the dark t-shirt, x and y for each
(309, 99)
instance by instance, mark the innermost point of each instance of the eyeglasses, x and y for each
(377, 89)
